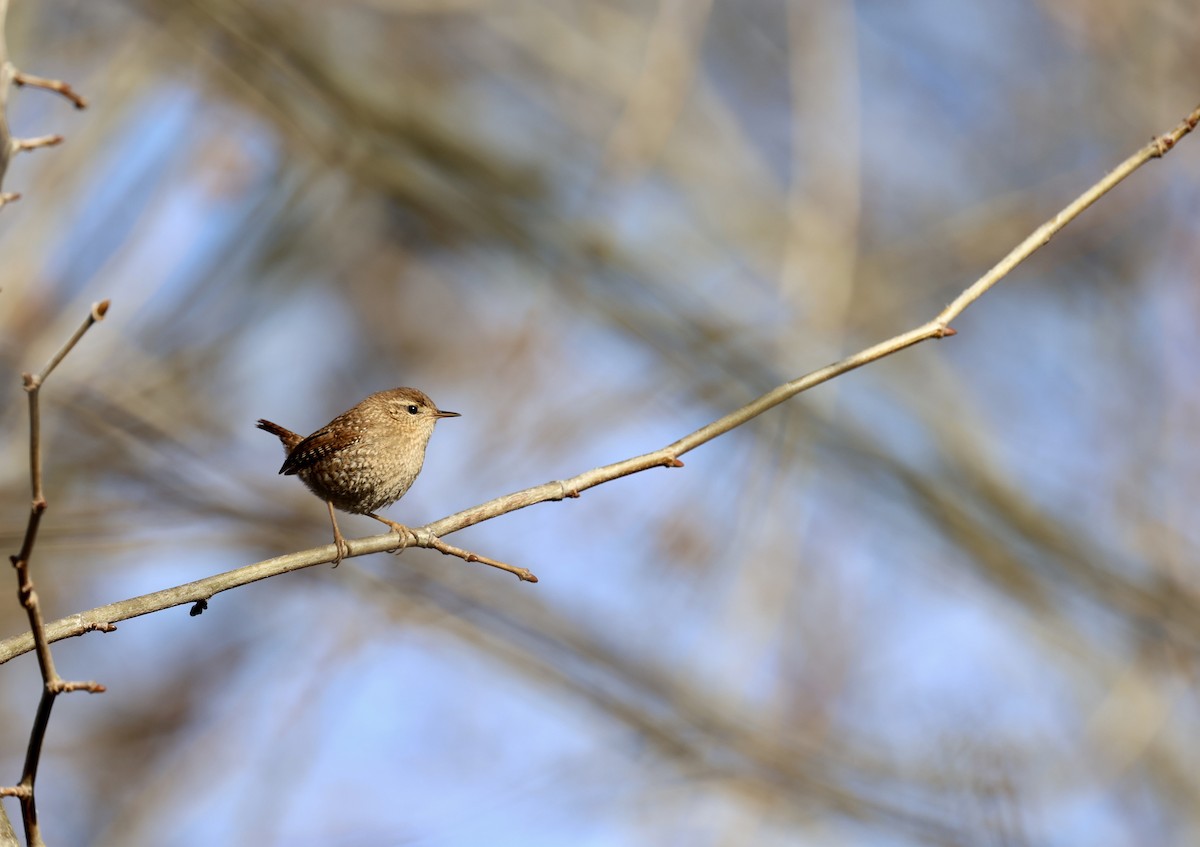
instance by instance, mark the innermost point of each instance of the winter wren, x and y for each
(366, 458)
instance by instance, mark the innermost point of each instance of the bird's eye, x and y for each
(413, 408)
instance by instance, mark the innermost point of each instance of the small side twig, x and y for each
(22, 145)
(409, 537)
(10, 76)
(55, 85)
(52, 683)
(425, 538)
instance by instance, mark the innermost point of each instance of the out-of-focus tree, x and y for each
(950, 598)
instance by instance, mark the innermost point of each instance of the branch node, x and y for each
(9, 197)
(565, 492)
(101, 626)
(197, 609)
(1162, 145)
(672, 462)
(946, 332)
(22, 791)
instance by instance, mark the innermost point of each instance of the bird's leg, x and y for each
(343, 549)
(400, 529)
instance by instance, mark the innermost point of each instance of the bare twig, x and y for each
(939, 327)
(21, 145)
(52, 683)
(54, 85)
(10, 76)
(423, 538)
(429, 535)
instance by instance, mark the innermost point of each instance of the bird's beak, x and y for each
(441, 414)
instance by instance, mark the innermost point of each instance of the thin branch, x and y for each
(200, 591)
(424, 538)
(3, 40)
(97, 313)
(7, 72)
(939, 327)
(10, 76)
(22, 145)
(55, 85)
(52, 683)
(1158, 147)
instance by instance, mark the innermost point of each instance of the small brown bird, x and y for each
(365, 458)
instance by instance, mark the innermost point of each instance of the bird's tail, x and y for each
(289, 438)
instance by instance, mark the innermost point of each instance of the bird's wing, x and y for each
(312, 449)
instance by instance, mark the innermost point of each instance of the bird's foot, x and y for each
(343, 549)
(407, 536)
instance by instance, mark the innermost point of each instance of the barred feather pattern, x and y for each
(365, 458)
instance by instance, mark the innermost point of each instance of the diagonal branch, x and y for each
(200, 591)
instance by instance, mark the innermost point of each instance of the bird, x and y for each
(364, 459)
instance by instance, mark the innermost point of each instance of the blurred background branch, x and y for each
(10, 76)
(944, 599)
